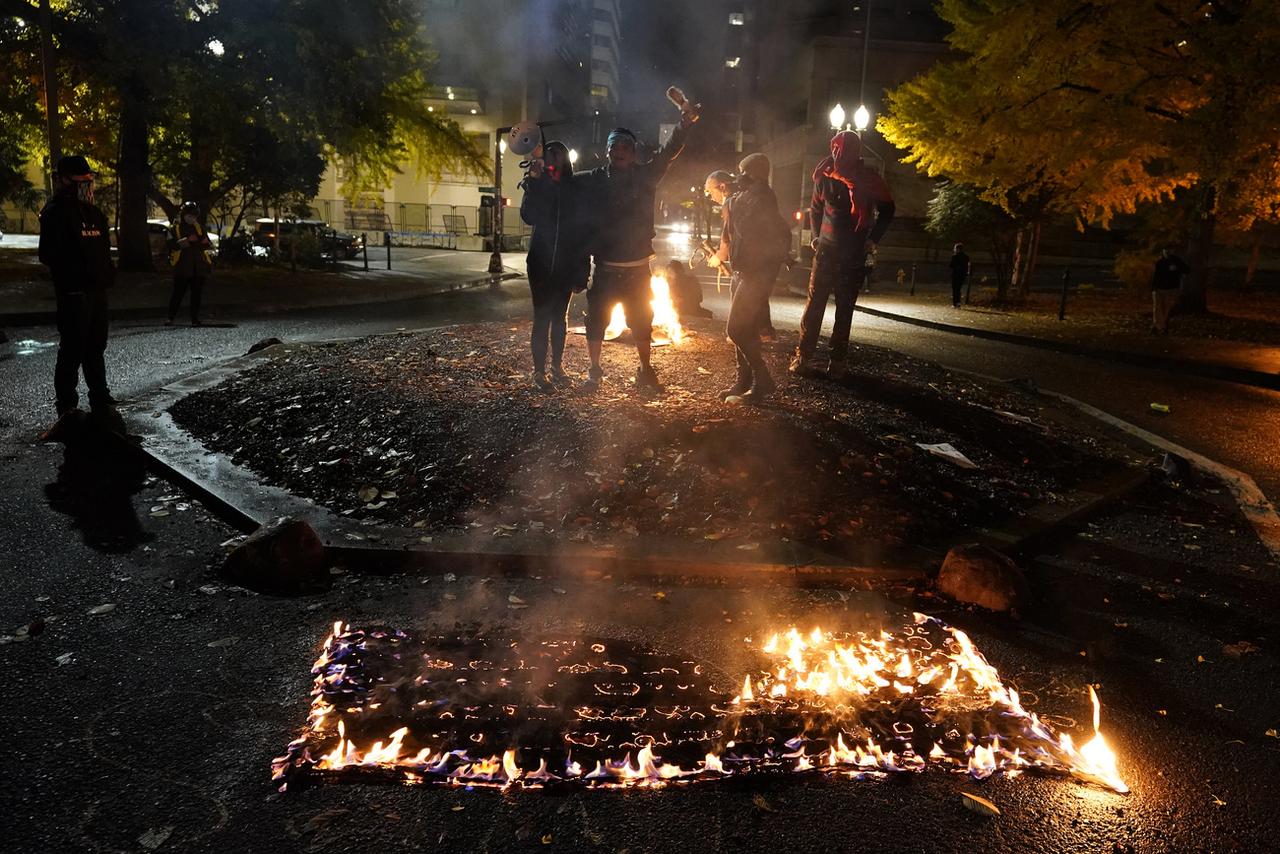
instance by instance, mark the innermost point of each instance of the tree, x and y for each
(233, 99)
(1090, 109)
(958, 212)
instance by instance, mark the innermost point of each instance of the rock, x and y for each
(284, 556)
(980, 575)
(263, 344)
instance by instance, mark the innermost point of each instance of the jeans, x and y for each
(82, 345)
(748, 314)
(550, 320)
(837, 270)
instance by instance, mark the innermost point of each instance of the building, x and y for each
(498, 62)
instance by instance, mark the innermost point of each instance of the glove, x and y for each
(714, 261)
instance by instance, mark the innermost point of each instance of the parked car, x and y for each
(333, 243)
(158, 237)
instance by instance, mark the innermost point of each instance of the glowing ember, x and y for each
(576, 712)
(666, 323)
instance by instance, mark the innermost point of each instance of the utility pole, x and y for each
(53, 123)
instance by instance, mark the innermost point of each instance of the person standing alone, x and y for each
(75, 246)
(959, 273)
(189, 255)
(1166, 285)
(852, 207)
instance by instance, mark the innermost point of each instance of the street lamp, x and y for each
(861, 118)
(573, 156)
(837, 117)
(502, 145)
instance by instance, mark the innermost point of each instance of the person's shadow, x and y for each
(97, 481)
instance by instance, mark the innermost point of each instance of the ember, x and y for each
(666, 323)
(580, 712)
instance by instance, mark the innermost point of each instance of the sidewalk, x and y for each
(1119, 337)
(26, 295)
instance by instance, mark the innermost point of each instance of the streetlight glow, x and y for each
(862, 118)
(837, 117)
(573, 156)
(502, 145)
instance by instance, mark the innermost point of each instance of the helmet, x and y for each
(524, 138)
(189, 207)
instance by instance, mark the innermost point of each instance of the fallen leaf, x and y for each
(65, 658)
(761, 804)
(223, 642)
(457, 808)
(1271, 733)
(155, 837)
(102, 609)
(1238, 649)
(367, 493)
(546, 839)
(980, 805)
(660, 596)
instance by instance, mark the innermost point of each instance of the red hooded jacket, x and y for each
(851, 202)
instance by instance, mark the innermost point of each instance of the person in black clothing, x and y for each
(719, 187)
(852, 207)
(755, 241)
(558, 263)
(1166, 286)
(75, 245)
(189, 255)
(959, 273)
(621, 199)
(686, 291)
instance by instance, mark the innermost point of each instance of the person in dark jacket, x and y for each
(686, 291)
(852, 206)
(755, 241)
(558, 263)
(719, 187)
(1166, 285)
(191, 259)
(621, 198)
(75, 245)
(959, 273)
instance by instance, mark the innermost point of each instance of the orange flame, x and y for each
(666, 322)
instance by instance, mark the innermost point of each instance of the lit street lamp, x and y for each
(861, 118)
(573, 156)
(502, 145)
(837, 117)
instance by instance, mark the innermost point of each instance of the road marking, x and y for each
(427, 257)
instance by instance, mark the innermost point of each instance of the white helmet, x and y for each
(524, 138)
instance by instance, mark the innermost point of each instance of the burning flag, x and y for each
(493, 712)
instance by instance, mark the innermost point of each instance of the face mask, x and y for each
(189, 219)
(84, 191)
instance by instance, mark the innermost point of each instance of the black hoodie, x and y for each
(561, 224)
(75, 245)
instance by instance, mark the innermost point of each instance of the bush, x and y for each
(1133, 268)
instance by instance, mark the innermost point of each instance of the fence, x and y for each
(405, 218)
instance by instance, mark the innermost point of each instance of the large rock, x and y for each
(980, 575)
(263, 344)
(284, 556)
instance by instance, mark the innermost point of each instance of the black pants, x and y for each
(550, 320)
(180, 286)
(748, 312)
(957, 288)
(626, 285)
(82, 343)
(835, 270)
(764, 318)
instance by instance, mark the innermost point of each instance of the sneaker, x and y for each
(753, 397)
(107, 402)
(803, 365)
(836, 369)
(540, 380)
(595, 376)
(559, 377)
(739, 388)
(647, 377)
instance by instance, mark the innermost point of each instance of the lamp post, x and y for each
(495, 258)
(861, 119)
(836, 117)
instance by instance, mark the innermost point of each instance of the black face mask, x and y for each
(83, 191)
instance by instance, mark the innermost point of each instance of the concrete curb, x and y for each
(1208, 370)
(160, 312)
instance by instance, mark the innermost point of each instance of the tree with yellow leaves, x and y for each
(1090, 109)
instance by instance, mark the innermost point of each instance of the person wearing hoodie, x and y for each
(851, 209)
(621, 195)
(754, 241)
(191, 259)
(558, 262)
(75, 246)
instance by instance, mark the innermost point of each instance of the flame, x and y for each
(666, 323)
(927, 667)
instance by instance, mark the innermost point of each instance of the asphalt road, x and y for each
(156, 732)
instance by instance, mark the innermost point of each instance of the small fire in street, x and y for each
(510, 712)
(666, 322)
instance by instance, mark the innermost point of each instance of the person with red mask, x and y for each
(558, 263)
(851, 209)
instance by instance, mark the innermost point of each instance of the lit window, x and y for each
(732, 61)
(737, 19)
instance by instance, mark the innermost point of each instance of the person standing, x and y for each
(558, 263)
(754, 241)
(852, 206)
(621, 200)
(719, 187)
(959, 273)
(191, 258)
(76, 247)
(1166, 285)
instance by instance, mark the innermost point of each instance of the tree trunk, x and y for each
(134, 173)
(1033, 255)
(1015, 278)
(1200, 255)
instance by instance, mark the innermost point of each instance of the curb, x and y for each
(159, 312)
(1207, 370)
